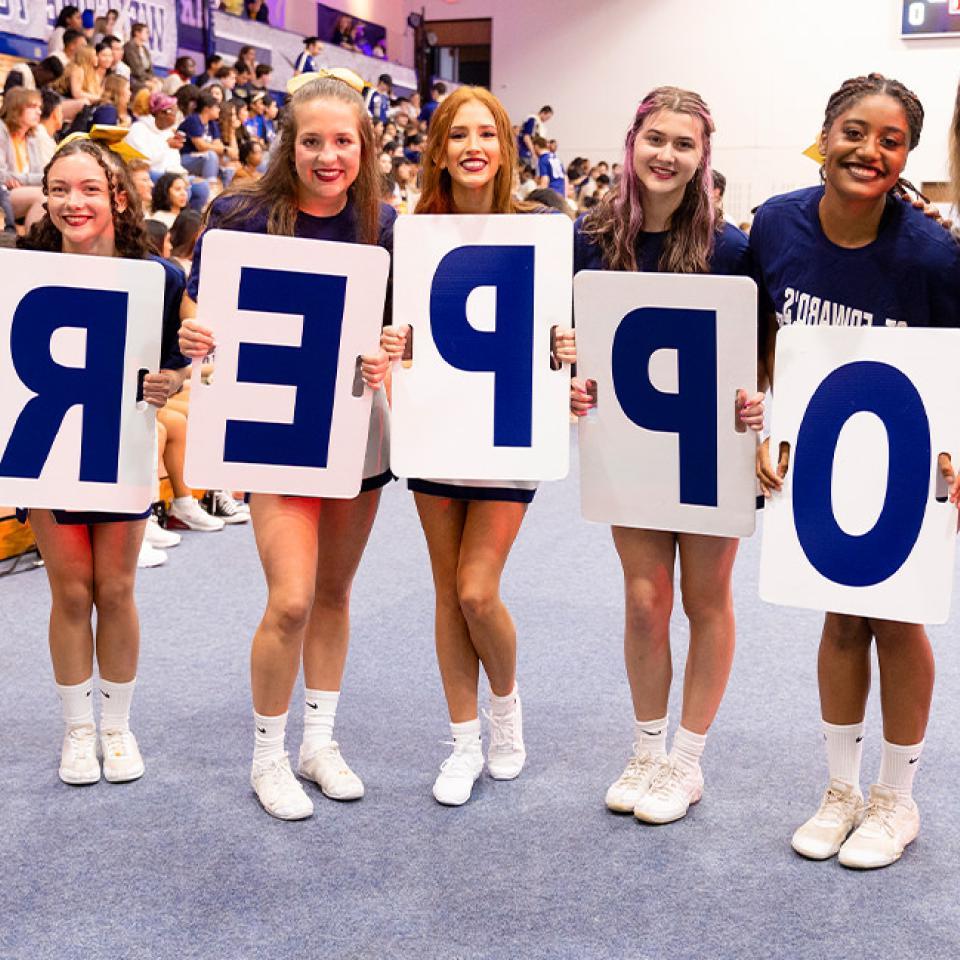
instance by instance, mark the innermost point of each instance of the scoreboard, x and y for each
(930, 18)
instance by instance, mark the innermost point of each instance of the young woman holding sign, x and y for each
(470, 526)
(91, 558)
(322, 184)
(661, 218)
(850, 242)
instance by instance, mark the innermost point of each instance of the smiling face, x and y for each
(327, 154)
(667, 152)
(472, 154)
(78, 201)
(105, 58)
(866, 148)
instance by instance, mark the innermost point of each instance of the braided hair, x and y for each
(130, 239)
(876, 84)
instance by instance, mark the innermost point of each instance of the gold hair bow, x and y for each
(351, 79)
(114, 138)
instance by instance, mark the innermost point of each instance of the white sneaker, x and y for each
(458, 774)
(325, 766)
(625, 793)
(78, 755)
(279, 790)
(890, 822)
(227, 509)
(674, 788)
(150, 556)
(157, 537)
(121, 756)
(506, 755)
(841, 809)
(192, 516)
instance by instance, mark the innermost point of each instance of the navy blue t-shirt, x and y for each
(342, 228)
(305, 63)
(193, 126)
(730, 253)
(528, 129)
(428, 110)
(549, 166)
(173, 286)
(379, 105)
(908, 276)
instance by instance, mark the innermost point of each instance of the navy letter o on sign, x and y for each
(871, 558)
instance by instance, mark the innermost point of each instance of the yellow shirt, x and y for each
(20, 157)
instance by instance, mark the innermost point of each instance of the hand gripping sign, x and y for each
(664, 449)
(286, 410)
(77, 335)
(480, 396)
(862, 525)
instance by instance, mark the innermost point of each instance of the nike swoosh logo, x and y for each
(107, 695)
(262, 729)
(915, 759)
(859, 739)
(313, 706)
(652, 733)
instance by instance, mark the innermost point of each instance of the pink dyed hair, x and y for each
(616, 223)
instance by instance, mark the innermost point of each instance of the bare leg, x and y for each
(443, 522)
(647, 557)
(906, 679)
(286, 533)
(68, 561)
(843, 668)
(706, 568)
(489, 532)
(115, 548)
(175, 452)
(343, 530)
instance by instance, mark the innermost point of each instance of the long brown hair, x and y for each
(14, 103)
(616, 223)
(437, 193)
(276, 193)
(130, 239)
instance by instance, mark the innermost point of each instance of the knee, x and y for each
(74, 600)
(333, 596)
(289, 612)
(648, 608)
(707, 602)
(477, 598)
(113, 594)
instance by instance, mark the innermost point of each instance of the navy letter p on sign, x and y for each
(478, 398)
(284, 412)
(858, 528)
(75, 332)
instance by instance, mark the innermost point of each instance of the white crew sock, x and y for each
(115, 701)
(76, 703)
(182, 501)
(466, 735)
(651, 736)
(268, 737)
(503, 706)
(319, 714)
(898, 766)
(844, 751)
(688, 747)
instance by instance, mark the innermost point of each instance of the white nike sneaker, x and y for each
(227, 509)
(841, 809)
(890, 822)
(278, 789)
(191, 515)
(121, 756)
(326, 767)
(78, 755)
(458, 774)
(669, 796)
(625, 792)
(506, 755)
(150, 556)
(157, 537)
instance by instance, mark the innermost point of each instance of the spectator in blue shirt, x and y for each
(437, 94)
(306, 62)
(550, 173)
(203, 147)
(379, 100)
(533, 126)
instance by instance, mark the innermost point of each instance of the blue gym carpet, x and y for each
(184, 864)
